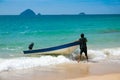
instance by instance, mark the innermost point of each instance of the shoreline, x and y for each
(66, 71)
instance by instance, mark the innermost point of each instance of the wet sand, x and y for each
(66, 71)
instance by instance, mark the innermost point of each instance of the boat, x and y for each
(61, 49)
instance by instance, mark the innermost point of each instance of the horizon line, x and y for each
(60, 14)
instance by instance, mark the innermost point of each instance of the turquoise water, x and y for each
(16, 32)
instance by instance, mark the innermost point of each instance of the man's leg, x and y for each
(81, 51)
(80, 55)
(85, 51)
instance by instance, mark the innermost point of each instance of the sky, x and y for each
(15, 7)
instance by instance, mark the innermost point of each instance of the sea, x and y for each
(17, 32)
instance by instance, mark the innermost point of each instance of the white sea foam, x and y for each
(29, 62)
(96, 55)
(103, 54)
(112, 52)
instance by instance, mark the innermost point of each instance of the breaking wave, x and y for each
(29, 62)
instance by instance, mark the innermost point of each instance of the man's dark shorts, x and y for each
(83, 50)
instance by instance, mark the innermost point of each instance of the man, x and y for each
(83, 46)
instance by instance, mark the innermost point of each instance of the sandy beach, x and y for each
(102, 77)
(67, 71)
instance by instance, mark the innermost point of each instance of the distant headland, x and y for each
(29, 12)
(82, 13)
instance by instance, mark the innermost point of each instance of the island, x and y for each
(82, 13)
(38, 14)
(28, 12)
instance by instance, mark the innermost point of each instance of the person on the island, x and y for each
(31, 46)
(83, 46)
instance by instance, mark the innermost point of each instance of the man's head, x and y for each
(82, 35)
